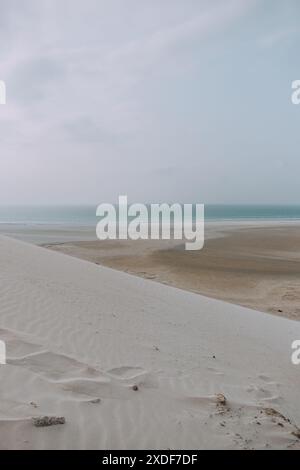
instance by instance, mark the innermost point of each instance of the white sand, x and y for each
(76, 332)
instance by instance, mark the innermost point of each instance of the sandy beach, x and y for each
(115, 361)
(124, 125)
(254, 265)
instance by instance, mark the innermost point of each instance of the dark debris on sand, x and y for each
(43, 421)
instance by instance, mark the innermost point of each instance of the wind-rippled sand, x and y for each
(134, 364)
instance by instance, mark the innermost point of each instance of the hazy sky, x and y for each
(162, 100)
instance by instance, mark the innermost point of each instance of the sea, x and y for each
(48, 224)
(85, 215)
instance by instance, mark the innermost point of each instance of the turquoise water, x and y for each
(48, 215)
(252, 212)
(86, 215)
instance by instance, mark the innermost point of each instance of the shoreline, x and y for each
(43, 233)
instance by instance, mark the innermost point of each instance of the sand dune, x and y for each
(129, 363)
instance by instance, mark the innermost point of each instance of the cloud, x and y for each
(69, 76)
(100, 88)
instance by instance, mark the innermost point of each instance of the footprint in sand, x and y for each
(62, 371)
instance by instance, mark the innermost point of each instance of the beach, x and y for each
(115, 361)
(149, 229)
(254, 264)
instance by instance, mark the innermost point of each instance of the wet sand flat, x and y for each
(255, 266)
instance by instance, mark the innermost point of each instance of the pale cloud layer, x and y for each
(160, 100)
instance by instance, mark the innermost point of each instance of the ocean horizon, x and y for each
(85, 215)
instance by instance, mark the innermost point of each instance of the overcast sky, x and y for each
(162, 100)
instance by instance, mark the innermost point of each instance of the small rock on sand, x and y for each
(43, 421)
(96, 400)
